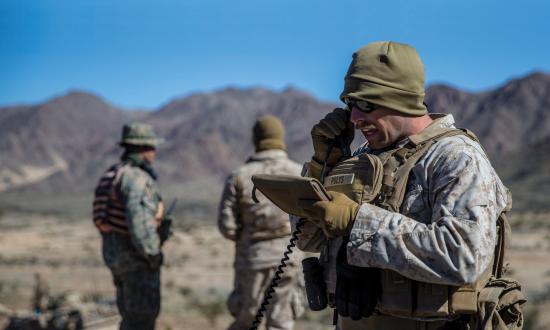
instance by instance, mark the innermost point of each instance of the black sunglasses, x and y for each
(363, 106)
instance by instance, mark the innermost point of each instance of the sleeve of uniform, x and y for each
(228, 212)
(138, 192)
(311, 237)
(456, 245)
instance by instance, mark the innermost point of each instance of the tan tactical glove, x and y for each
(336, 130)
(335, 217)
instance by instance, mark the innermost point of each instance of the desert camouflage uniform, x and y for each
(135, 259)
(261, 232)
(445, 231)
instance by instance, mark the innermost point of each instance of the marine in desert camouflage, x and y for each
(261, 232)
(409, 239)
(128, 210)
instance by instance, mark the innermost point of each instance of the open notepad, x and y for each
(285, 191)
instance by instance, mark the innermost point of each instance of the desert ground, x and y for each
(197, 275)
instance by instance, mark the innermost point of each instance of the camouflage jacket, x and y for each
(140, 194)
(445, 232)
(260, 230)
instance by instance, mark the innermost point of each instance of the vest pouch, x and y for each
(396, 296)
(327, 260)
(359, 178)
(432, 300)
(463, 300)
(357, 288)
(500, 305)
(403, 297)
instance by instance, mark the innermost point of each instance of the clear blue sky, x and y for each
(144, 53)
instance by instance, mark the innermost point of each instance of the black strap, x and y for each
(254, 198)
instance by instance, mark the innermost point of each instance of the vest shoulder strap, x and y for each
(422, 137)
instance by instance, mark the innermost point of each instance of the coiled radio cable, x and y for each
(277, 277)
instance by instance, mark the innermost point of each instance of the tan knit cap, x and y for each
(269, 133)
(388, 74)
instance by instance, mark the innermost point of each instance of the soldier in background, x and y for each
(261, 232)
(128, 210)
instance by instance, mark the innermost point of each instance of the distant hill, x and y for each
(60, 141)
(526, 171)
(60, 147)
(211, 133)
(505, 119)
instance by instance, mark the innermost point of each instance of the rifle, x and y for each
(165, 227)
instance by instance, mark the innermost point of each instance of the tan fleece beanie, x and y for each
(269, 133)
(388, 74)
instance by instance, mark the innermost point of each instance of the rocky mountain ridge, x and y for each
(63, 145)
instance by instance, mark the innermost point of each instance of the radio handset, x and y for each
(342, 141)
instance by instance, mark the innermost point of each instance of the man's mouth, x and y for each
(369, 130)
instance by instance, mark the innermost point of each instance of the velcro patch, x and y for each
(337, 180)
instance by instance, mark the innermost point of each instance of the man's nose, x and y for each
(357, 116)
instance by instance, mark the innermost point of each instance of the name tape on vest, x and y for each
(337, 180)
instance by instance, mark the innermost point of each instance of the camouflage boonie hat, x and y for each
(139, 134)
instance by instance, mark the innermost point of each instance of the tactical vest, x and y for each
(382, 180)
(109, 211)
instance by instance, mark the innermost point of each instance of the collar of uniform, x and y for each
(268, 154)
(440, 121)
(134, 159)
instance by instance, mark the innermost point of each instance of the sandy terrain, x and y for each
(196, 278)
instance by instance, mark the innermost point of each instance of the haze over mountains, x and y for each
(60, 147)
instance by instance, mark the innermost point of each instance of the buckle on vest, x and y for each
(380, 198)
(403, 154)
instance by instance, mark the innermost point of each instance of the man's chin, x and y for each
(373, 144)
(376, 145)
